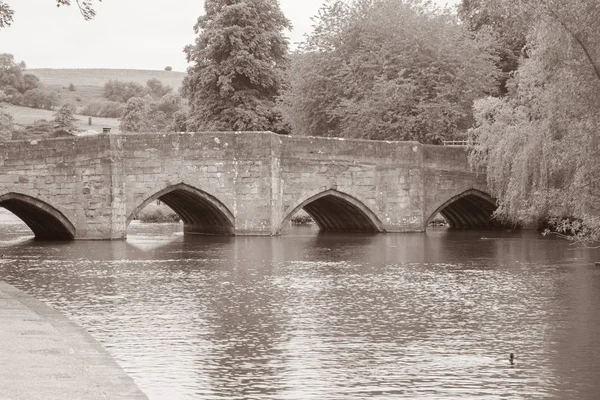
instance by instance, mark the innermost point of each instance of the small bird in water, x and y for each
(511, 358)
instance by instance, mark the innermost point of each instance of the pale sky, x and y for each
(133, 34)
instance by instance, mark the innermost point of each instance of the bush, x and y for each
(168, 68)
(39, 128)
(123, 91)
(304, 219)
(105, 109)
(39, 98)
(156, 88)
(6, 125)
(71, 87)
(157, 213)
(438, 220)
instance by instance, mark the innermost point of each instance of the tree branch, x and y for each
(555, 15)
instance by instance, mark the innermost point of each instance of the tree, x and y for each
(539, 145)
(39, 98)
(238, 63)
(508, 27)
(134, 117)
(156, 88)
(116, 90)
(388, 70)
(168, 68)
(6, 124)
(64, 119)
(146, 114)
(86, 8)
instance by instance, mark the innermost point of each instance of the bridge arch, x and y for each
(469, 209)
(336, 211)
(200, 212)
(46, 222)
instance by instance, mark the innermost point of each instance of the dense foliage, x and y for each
(539, 144)
(6, 124)
(64, 119)
(105, 109)
(238, 62)
(146, 114)
(118, 91)
(20, 88)
(388, 69)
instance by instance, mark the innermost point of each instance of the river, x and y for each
(328, 316)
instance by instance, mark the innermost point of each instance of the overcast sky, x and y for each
(135, 34)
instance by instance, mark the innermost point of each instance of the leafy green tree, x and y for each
(388, 70)
(134, 117)
(539, 145)
(238, 63)
(156, 88)
(116, 90)
(6, 124)
(508, 27)
(145, 114)
(64, 119)
(86, 7)
(39, 98)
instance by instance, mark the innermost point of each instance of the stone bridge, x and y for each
(242, 183)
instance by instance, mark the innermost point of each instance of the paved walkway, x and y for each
(45, 356)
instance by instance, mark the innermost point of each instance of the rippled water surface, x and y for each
(313, 316)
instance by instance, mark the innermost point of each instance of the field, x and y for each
(89, 83)
(26, 115)
(89, 87)
(98, 77)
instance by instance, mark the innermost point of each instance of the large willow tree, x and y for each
(539, 144)
(388, 70)
(238, 63)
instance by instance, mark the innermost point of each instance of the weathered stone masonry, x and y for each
(236, 183)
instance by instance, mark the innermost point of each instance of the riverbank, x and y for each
(45, 356)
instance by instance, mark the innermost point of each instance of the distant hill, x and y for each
(98, 77)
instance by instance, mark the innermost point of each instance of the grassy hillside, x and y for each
(98, 77)
(89, 87)
(26, 115)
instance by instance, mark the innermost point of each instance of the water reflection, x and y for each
(326, 316)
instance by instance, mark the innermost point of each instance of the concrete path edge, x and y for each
(101, 369)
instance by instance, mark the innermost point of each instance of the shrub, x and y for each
(105, 109)
(438, 220)
(168, 68)
(157, 213)
(64, 119)
(156, 88)
(123, 91)
(6, 125)
(71, 87)
(38, 128)
(302, 219)
(39, 98)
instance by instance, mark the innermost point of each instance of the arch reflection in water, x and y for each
(200, 212)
